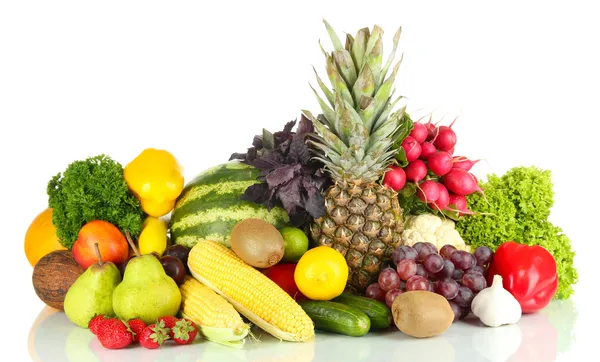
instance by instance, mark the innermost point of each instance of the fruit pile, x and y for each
(457, 275)
(313, 228)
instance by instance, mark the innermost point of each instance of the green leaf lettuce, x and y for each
(517, 208)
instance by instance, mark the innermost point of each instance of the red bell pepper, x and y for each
(283, 276)
(528, 273)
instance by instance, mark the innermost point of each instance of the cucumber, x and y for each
(337, 317)
(379, 314)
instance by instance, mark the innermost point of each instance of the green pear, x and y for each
(92, 292)
(146, 292)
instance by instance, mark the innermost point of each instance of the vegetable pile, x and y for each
(517, 206)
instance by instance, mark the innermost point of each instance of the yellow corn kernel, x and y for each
(250, 292)
(217, 319)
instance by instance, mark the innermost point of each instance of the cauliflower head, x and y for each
(433, 229)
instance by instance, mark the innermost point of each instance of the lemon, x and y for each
(321, 273)
(295, 244)
(153, 237)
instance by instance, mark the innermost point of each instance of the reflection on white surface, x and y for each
(497, 344)
(537, 337)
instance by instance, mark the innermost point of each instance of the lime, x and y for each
(295, 244)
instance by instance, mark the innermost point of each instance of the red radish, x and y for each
(458, 204)
(429, 191)
(431, 130)
(463, 163)
(459, 201)
(427, 149)
(416, 171)
(451, 151)
(460, 182)
(395, 178)
(419, 132)
(412, 148)
(443, 199)
(446, 138)
(440, 163)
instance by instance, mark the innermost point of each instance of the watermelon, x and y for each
(209, 206)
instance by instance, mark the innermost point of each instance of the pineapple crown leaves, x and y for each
(357, 126)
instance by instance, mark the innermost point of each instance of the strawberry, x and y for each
(185, 331)
(169, 323)
(154, 335)
(114, 334)
(137, 326)
(95, 323)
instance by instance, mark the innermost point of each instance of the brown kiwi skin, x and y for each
(422, 314)
(257, 243)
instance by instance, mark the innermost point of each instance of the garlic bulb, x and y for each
(495, 306)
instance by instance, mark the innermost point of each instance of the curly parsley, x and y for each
(517, 207)
(88, 190)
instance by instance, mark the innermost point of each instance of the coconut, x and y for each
(53, 275)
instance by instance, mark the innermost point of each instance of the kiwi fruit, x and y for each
(257, 243)
(422, 314)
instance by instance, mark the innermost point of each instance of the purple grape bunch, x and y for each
(457, 275)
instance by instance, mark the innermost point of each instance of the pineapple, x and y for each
(356, 130)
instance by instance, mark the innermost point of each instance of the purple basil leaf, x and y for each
(287, 129)
(304, 128)
(257, 142)
(237, 156)
(251, 155)
(282, 175)
(284, 147)
(317, 178)
(273, 200)
(298, 153)
(268, 160)
(300, 218)
(290, 195)
(286, 134)
(258, 193)
(314, 202)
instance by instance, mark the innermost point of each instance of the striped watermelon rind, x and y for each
(209, 206)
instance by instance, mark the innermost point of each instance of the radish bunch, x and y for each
(442, 180)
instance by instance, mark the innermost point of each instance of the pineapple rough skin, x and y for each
(365, 225)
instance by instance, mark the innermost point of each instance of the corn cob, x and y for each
(217, 319)
(250, 292)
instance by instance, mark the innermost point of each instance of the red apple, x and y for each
(111, 242)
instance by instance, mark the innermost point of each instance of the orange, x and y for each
(321, 273)
(41, 238)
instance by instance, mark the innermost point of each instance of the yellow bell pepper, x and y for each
(153, 237)
(156, 178)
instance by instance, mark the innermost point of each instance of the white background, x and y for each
(82, 78)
